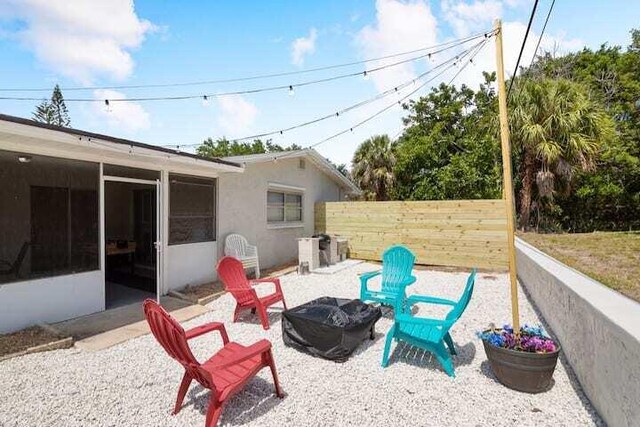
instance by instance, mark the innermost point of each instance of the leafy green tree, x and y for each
(222, 147)
(606, 197)
(448, 149)
(557, 129)
(54, 111)
(372, 167)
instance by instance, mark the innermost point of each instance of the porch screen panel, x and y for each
(49, 222)
(191, 210)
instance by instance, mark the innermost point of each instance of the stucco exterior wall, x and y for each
(50, 299)
(190, 264)
(598, 330)
(242, 206)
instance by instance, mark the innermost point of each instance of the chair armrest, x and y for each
(407, 318)
(364, 278)
(252, 250)
(274, 280)
(252, 291)
(266, 280)
(413, 299)
(208, 327)
(369, 274)
(410, 280)
(251, 351)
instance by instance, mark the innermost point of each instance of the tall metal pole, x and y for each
(506, 176)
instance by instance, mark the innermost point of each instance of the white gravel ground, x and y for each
(135, 383)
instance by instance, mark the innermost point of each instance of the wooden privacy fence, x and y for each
(461, 233)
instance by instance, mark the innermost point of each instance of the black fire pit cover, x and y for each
(329, 327)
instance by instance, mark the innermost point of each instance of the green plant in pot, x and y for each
(523, 361)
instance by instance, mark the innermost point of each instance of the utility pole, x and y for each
(506, 176)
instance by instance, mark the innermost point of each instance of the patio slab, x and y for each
(110, 327)
(135, 383)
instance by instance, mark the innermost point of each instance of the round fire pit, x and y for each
(329, 327)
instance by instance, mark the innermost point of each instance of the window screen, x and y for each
(191, 210)
(283, 207)
(49, 217)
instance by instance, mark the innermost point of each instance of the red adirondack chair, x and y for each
(235, 281)
(225, 374)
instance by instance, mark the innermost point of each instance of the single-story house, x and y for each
(89, 222)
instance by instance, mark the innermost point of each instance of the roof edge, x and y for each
(116, 140)
(316, 157)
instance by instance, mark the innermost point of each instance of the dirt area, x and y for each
(24, 339)
(207, 289)
(611, 258)
(201, 291)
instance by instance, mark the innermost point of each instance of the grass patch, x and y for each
(611, 258)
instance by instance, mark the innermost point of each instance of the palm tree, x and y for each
(557, 128)
(372, 167)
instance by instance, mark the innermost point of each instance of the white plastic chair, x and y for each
(236, 245)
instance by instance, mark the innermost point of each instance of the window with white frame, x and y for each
(284, 206)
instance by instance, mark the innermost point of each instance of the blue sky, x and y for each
(115, 42)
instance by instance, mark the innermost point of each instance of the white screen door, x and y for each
(158, 242)
(159, 225)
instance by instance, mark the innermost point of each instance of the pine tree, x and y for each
(53, 112)
(60, 112)
(43, 113)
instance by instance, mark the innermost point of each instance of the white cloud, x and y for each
(129, 116)
(80, 39)
(399, 26)
(466, 18)
(512, 40)
(237, 115)
(303, 46)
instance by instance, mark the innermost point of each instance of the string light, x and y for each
(365, 75)
(205, 100)
(256, 90)
(107, 107)
(379, 96)
(291, 91)
(257, 77)
(477, 50)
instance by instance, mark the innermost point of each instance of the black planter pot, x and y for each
(521, 370)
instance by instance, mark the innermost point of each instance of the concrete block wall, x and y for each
(598, 329)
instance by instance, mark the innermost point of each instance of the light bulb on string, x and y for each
(291, 91)
(365, 75)
(107, 107)
(205, 101)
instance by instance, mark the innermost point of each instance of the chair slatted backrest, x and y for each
(463, 302)
(235, 245)
(397, 263)
(172, 338)
(234, 279)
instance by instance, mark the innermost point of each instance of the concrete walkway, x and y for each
(110, 327)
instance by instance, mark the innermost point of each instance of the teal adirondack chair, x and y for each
(429, 334)
(397, 263)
